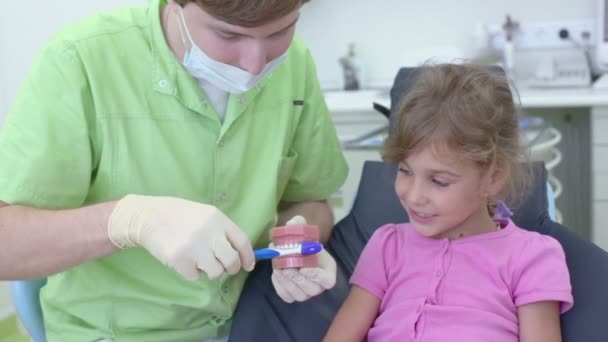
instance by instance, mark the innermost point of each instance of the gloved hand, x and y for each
(187, 236)
(294, 284)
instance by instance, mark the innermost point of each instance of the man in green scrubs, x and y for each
(145, 155)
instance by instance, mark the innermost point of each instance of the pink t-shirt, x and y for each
(461, 290)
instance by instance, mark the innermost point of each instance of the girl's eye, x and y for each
(440, 183)
(404, 171)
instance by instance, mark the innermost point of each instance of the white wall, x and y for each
(24, 28)
(388, 32)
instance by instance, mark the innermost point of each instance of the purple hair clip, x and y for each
(502, 211)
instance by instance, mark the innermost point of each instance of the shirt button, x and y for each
(226, 289)
(438, 274)
(163, 83)
(220, 143)
(241, 99)
(222, 196)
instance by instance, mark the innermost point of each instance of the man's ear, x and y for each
(173, 6)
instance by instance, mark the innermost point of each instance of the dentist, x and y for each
(146, 153)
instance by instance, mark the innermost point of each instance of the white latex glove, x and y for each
(293, 284)
(187, 236)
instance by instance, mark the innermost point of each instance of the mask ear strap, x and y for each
(185, 28)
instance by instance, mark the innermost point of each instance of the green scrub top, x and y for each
(107, 110)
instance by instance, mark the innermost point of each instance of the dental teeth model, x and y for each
(293, 246)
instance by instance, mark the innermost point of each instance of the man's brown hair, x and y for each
(246, 13)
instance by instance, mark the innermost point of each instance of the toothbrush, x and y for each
(304, 248)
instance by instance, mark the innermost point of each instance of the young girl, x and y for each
(457, 271)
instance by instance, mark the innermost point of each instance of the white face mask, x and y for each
(224, 76)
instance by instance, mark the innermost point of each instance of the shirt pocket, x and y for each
(285, 171)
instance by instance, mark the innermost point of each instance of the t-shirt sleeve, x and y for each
(320, 168)
(371, 272)
(45, 149)
(541, 274)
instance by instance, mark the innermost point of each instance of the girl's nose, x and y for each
(415, 194)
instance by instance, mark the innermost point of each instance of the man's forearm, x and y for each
(35, 243)
(316, 212)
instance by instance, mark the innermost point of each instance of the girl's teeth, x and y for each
(423, 214)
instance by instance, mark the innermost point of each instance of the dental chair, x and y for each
(262, 316)
(27, 306)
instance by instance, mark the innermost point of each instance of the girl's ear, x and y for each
(497, 179)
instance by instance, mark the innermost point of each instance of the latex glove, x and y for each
(187, 236)
(301, 284)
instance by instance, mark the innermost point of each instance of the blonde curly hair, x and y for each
(468, 109)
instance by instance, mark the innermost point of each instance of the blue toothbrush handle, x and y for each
(265, 253)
